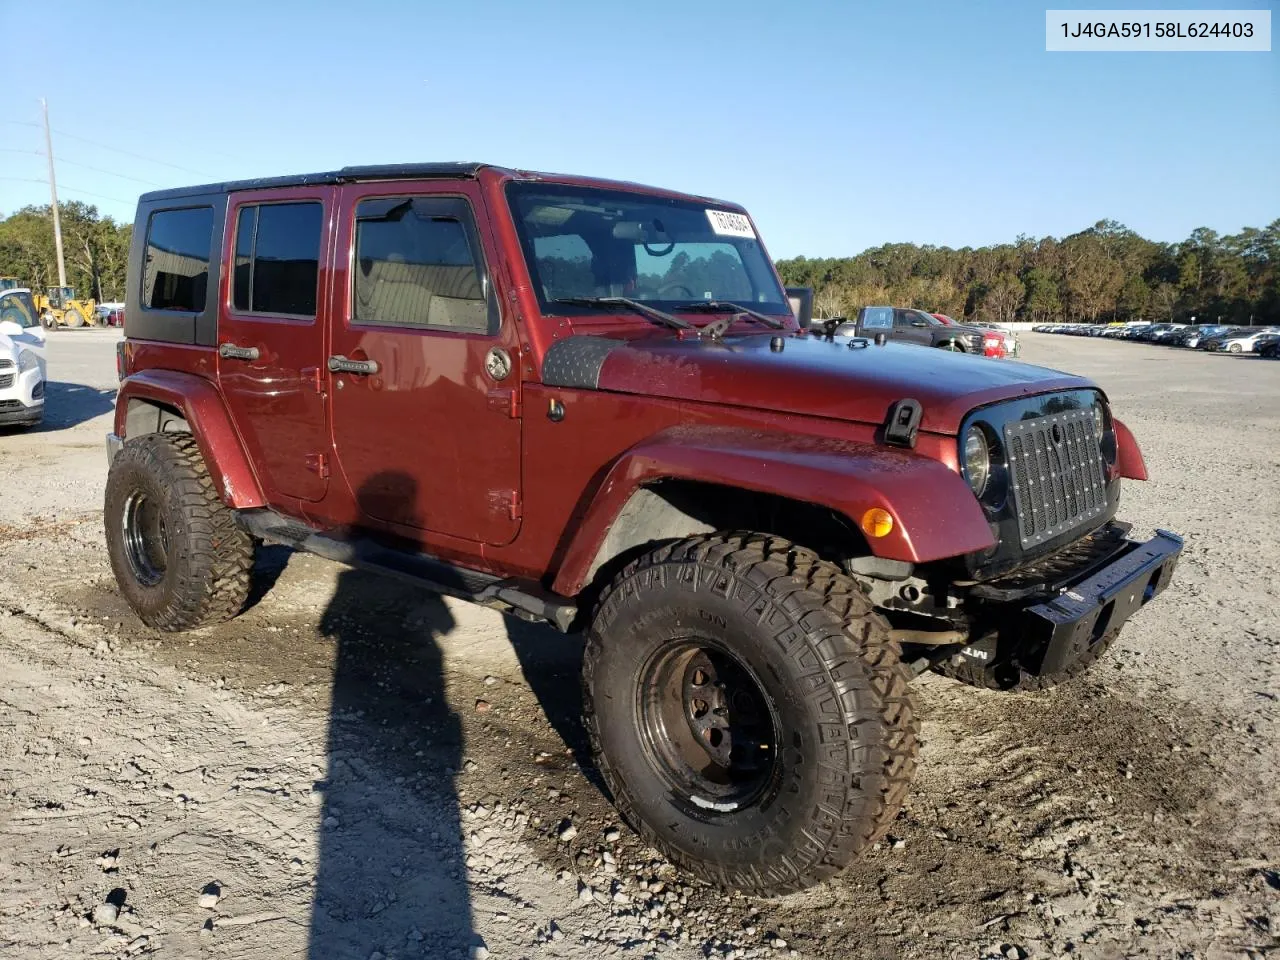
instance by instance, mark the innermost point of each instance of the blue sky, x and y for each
(839, 125)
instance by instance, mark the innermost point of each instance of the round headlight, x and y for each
(977, 460)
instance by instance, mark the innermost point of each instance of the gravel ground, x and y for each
(355, 768)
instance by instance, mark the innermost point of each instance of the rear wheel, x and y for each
(179, 556)
(748, 711)
(73, 318)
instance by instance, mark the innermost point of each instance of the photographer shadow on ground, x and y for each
(391, 876)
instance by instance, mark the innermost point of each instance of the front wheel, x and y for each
(1234, 348)
(48, 321)
(748, 711)
(179, 556)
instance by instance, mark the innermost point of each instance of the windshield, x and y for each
(18, 308)
(589, 242)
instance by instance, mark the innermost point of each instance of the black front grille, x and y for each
(6, 380)
(10, 404)
(6, 364)
(1056, 472)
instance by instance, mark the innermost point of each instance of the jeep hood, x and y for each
(809, 375)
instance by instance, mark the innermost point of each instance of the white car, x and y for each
(22, 360)
(1247, 343)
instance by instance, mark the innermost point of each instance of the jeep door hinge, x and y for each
(314, 377)
(508, 401)
(318, 464)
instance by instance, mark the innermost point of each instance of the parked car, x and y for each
(548, 395)
(1245, 342)
(1270, 347)
(914, 326)
(1214, 341)
(22, 360)
(110, 314)
(998, 341)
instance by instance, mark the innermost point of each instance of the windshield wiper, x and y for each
(725, 306)
(646, 311)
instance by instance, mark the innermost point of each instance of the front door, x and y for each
(271, 324)
(910, 326)
(424, 372)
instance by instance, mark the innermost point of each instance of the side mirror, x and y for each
(801, 300)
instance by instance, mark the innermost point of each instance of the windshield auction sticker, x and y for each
(728, 224)
(1156, 31)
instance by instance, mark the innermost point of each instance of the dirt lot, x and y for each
(358, 769)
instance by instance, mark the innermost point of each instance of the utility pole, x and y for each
(53, 192)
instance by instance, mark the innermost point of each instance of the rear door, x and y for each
(424, 373)
(873, 320)
(271, 328)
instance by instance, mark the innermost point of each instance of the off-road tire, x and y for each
(825, 661)
(210, 557)
(48, 321)
(73, 318)
(1008, 675)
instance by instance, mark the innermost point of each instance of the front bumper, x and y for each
(17, 413)
(1064, 628)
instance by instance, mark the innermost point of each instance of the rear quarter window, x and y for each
(175, 269)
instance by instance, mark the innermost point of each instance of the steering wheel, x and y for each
(657, 250)
(674, 286)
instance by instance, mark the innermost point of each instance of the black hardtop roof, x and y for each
(407, 171)
(381, 171)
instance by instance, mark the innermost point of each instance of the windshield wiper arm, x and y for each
(724, 306)
(646, 311)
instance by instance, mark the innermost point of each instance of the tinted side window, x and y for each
(277, 258)
(877, 318)
(175, 275)
(415, 266)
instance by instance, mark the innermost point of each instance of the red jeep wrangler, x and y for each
(590, 403)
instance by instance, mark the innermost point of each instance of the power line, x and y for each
(77, 163)
(117, 150)
(103, 146)
(86, 193)
(136, 156)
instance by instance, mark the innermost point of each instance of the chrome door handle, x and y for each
(229, 351)
(341, 364)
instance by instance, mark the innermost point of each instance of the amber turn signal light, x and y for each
(877, 522)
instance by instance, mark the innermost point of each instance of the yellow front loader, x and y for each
(60, 308)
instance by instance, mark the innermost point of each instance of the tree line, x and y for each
(1104, 273)
(94, 248)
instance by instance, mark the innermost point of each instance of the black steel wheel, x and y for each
(708, 725)
(146, 537)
